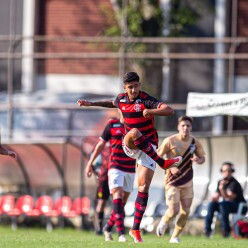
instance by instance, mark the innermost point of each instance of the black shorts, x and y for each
(102, 191)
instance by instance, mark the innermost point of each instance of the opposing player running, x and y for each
(179, 181)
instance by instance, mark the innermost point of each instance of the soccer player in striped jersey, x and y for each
(121, 172)
(179, 181)
(141, 138)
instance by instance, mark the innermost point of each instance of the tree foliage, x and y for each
(146, 18)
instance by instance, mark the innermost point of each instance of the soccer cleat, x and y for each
(173, 162)
(208, 234)
(135, 234)
(161, 227)
(122, 238)
(225, 234)
(175, 240)
(99, 232)
(107, 234)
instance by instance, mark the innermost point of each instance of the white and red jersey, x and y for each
(132, 112)
(113, 133)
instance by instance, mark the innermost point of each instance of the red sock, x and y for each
(119, 217)
(111, 221)
(140, 207)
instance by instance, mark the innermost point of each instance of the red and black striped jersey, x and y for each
(103, 172)
(113, 133)
(132, 112)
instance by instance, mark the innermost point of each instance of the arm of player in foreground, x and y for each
(86, 103)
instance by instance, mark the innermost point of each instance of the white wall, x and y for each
(99, 84)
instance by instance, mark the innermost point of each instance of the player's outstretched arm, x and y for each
(106, 104)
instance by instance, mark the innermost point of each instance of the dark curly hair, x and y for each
(130, 77)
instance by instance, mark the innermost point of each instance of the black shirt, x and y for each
(234, 186)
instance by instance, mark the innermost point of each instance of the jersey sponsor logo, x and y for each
(123, 100)
(116, 125)
(123, 108)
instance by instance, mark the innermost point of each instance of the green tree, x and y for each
(145, 18)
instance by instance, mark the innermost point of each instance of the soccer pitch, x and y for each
(35, 238)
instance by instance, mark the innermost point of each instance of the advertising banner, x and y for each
(204, 104)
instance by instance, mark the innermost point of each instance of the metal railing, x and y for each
(13, 40)
(124, 41)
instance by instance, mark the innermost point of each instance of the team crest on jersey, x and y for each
(137, 107)
(118, 131)
(148, 149)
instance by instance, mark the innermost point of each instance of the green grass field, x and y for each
(35, 238)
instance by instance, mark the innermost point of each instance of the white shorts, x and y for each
(118, 178)
(141, 157)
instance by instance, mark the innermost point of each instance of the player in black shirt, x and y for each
(231, 193)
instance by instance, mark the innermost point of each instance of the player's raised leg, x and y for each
(135, 140)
